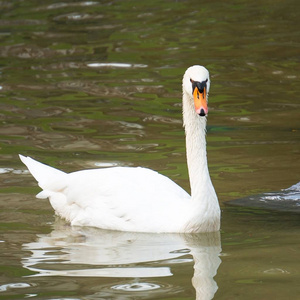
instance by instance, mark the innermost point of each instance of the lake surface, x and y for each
(97, 84)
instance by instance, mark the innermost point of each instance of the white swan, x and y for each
(139, 199)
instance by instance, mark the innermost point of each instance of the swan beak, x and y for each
(200, 102)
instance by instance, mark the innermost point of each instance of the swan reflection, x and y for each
(92, 252)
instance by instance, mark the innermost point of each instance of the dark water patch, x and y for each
(287, 200)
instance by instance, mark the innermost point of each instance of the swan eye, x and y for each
(194, 84)
(199, 85)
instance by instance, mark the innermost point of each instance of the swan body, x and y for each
(140, 199)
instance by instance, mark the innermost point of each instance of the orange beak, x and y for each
(200, 102)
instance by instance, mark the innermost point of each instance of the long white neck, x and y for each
(195, 130)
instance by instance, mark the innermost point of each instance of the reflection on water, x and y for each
(90, 252)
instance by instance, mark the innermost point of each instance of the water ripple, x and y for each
(116, 65)
(64, 5)
(77, 17)
(136, 287)
(15, 285)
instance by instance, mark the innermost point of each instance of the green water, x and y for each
(63, 104)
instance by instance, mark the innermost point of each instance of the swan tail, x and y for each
(48, 178)
(53, 182)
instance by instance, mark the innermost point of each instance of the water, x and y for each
(87, 84)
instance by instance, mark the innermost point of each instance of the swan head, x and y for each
(196, 85)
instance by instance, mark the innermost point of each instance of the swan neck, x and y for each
(195, 131)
